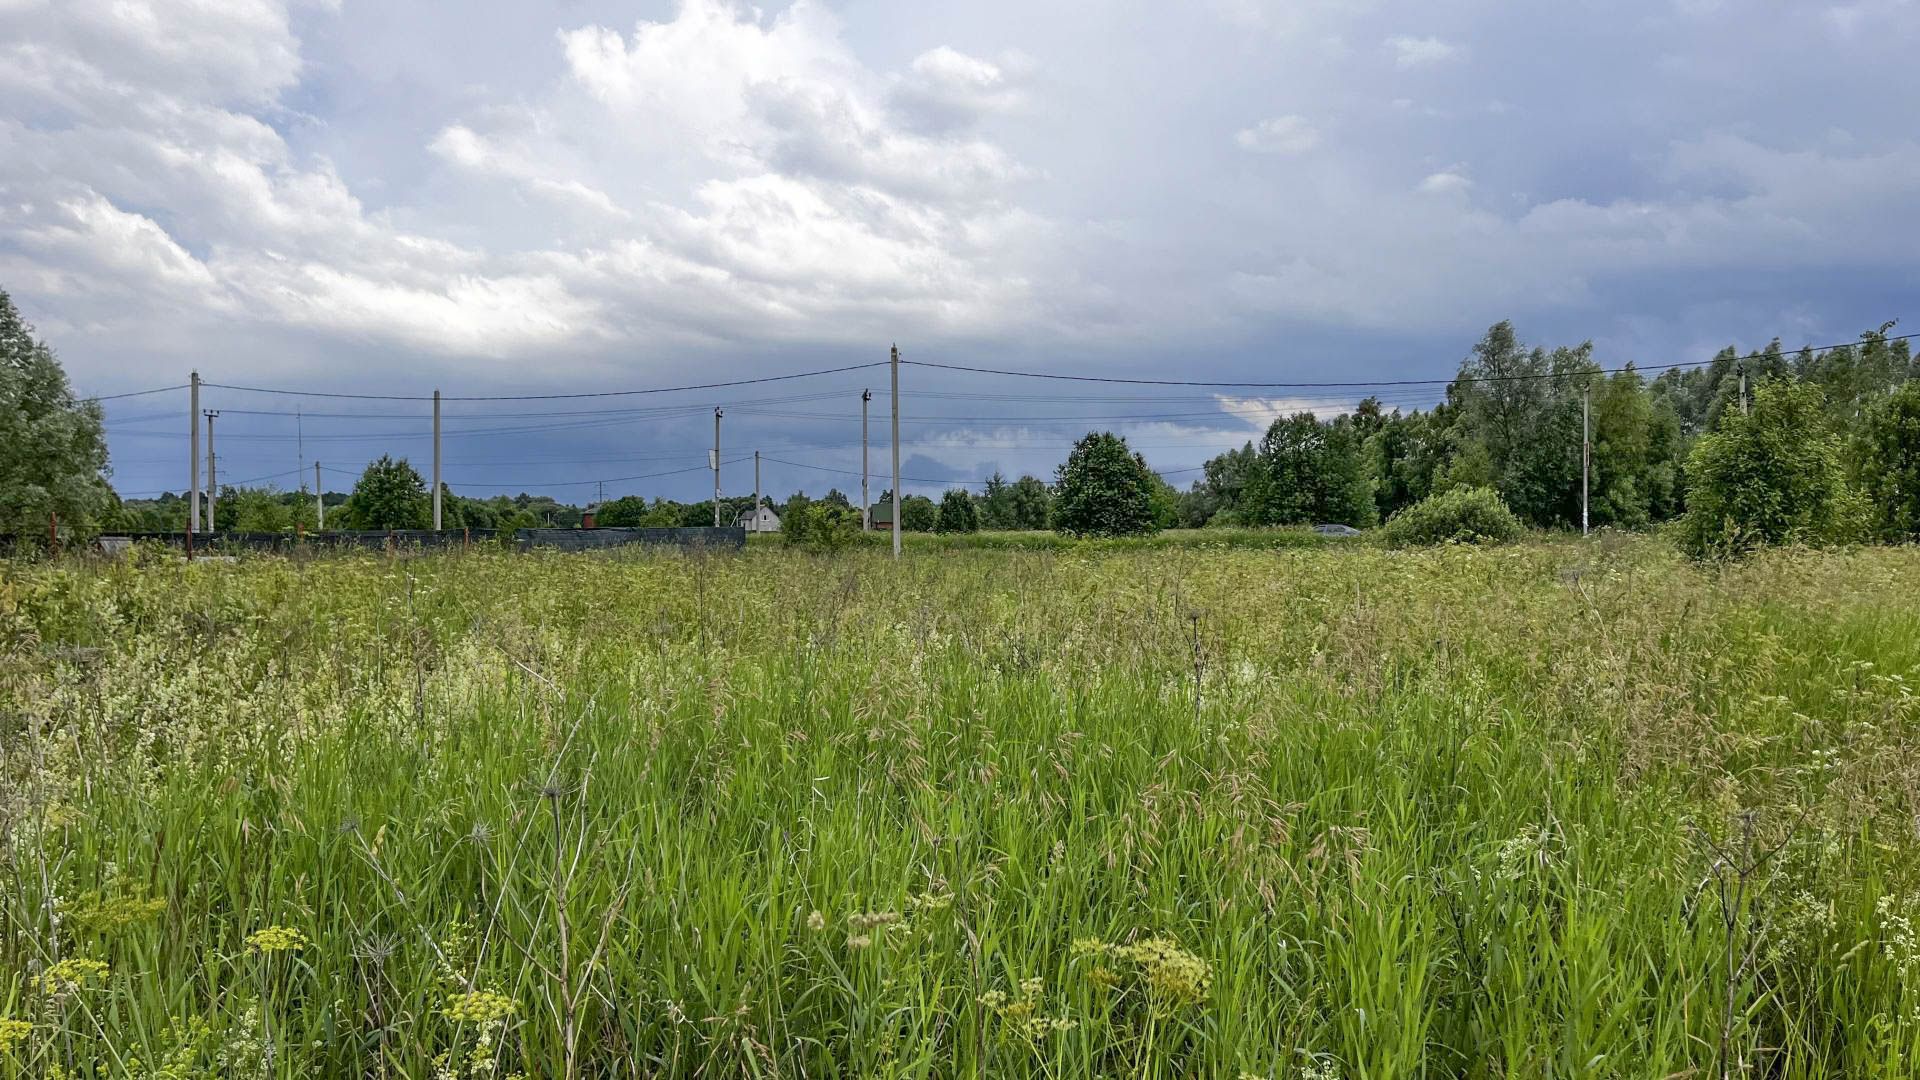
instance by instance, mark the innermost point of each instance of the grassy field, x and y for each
(1553, 810)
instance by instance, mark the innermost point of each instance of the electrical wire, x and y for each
(927, 479)
(1377, 382)
(856, 472)
(551, 397)
(134, 393)
(472, 482)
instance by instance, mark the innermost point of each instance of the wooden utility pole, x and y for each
(213, 487)
(436, 461)
(866, 512)
(899, 504)
(193, 458)
(716, 468)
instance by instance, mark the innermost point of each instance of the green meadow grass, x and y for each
(1552, 810)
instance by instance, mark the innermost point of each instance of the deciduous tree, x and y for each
(389, 495)
(53, 455)
(1103, 489)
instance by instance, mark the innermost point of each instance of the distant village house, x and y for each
(760, 520)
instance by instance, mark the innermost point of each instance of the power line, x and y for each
(1363, 384)
(636, 411)
(551, 397)
(472, 482)
(931, 480)
(856, 472)
(257, 479)
(134, 393)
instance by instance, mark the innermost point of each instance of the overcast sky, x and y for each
(502, 197)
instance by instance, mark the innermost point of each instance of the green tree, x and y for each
(957, 514)
(918, 514)
(1219, 496)
(996, 503)
(256, 510)
(1886, 464)
(389, 495)
(1103, 489)
(1855, 378)
(625, 512)
(1773, 476)
(1636, 444)
(822, 526)
(1306, 472)
(53, 455)
(1405, 455)
(1032, 503)
(1518, 425)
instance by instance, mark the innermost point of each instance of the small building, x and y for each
(760, 520)
(880, 516)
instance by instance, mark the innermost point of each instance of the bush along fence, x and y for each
(729, 538)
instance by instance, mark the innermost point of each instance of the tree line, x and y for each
(1831, 429)
(1511, 421)
(1820, 446)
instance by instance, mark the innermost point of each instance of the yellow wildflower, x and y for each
(13, 1033)
(479, 1007)
(275, 939)
(69, 975)
(1173, 974)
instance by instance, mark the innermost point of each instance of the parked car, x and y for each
(1336, 530)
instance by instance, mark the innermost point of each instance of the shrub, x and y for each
(1104, 489)
(821, 527)
(1467, 515)
(1770, 477)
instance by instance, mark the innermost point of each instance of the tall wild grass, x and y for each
(1547, 810)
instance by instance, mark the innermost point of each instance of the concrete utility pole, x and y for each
(1586, 450)
(193, 458)
(899, 503)
(319, 501)
(213, 488)
(1743, 388)
(756, 491)
(716, 468)
(866, 512)
(436, 461)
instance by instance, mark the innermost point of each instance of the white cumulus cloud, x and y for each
(1279, 135)
(1415, 52)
